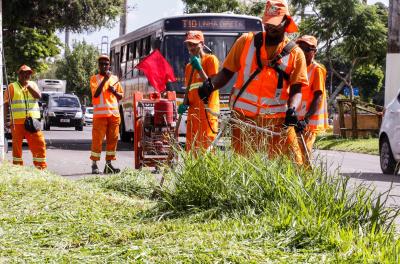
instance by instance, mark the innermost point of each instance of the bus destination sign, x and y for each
(211, 24)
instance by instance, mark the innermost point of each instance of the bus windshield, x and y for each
(177, 55)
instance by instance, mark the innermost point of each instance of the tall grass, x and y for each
(303, 209)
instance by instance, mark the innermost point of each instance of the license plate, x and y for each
(64, 120)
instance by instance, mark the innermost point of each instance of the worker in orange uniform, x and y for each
(23, 96)
(202, 120)
(106, 92)
(314, 110)
(271, 72)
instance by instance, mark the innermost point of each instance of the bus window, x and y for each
(139, 46)
(156, 44)
(116, 69)
(124, 56)
(177, 55)
(131, 57)
(147, 45)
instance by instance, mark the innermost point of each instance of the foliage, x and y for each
(59, 14)
(29, 46)
(349, 32)
(77, 67)
(369, 78)
(207, 6)
(303, 217)
(29, 27)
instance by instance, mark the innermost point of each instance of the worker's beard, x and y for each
(273, 40)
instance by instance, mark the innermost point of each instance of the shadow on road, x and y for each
(73, 144)
(373, 177)
(82, 144)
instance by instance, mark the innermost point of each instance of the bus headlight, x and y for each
(78, 115)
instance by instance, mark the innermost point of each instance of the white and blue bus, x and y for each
(168, 35)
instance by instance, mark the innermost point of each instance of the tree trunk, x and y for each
(123, 19)
(394, 27)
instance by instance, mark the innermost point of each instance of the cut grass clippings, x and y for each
(365, 146)
(217, 208)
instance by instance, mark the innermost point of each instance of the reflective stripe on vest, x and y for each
(319, 120)
(103, 108)
(18, 106)
(195, 86)
(260, 98)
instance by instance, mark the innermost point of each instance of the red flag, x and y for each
(157, 70)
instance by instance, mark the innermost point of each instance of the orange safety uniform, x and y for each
(318, 122)
(16, 96)
(262, 103)
(202, 121)
(106, 118)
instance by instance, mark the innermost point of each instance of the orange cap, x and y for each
(274, 12)
(194, 36)
(310, 40)
(25, 68)
(103, 57)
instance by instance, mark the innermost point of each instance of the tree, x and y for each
(29, 33)
(349, 31)
(77, 67)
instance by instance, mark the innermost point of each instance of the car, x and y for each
(389, 138)
(63, 110)
(88, 115)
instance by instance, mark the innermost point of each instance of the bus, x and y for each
(168, 35)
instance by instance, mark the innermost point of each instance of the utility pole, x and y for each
(123, 19)
(66, 49)
(2, 141)
(392, 77)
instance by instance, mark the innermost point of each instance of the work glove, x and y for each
(301, 125)
(291, 117)
(195, 61)
(182, 109)
(205, 90)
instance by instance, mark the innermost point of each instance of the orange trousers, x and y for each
(247, 140)
(108, 127)
(200, 132)
(309, 140)
(36, 144)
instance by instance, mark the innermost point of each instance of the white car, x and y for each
(389, 138)
(88, 115)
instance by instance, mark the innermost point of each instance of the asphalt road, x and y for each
(68, 154)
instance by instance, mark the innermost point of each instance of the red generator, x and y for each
(154, 123)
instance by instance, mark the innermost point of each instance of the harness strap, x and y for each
(258, 43)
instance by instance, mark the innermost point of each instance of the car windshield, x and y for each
(64, 102)
(177, 55)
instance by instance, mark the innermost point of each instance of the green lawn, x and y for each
(219, 208)
(366, 146)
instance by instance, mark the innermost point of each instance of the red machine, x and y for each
(154, 123)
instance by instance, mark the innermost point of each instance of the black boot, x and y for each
(95, 169)
(109, 168)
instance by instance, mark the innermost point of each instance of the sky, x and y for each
(145, 12)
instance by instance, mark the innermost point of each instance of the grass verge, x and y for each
(365, 146)
(217, 208)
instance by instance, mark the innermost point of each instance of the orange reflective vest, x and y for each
(262, 96)
(106, 104)
(316, 74)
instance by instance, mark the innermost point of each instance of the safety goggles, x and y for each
(104, 63)
(276, 27)
(308, 49)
